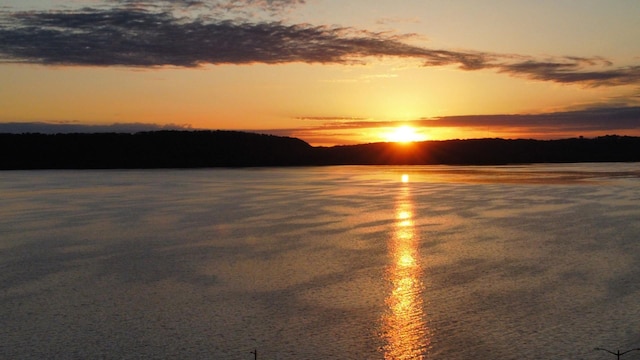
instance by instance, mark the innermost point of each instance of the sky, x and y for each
(327, 71)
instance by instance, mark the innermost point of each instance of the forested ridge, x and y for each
(189, 149)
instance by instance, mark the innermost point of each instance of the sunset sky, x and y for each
(326, 71)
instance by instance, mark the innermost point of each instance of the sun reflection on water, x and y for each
(405, 331)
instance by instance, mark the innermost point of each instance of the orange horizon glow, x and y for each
(404, 134)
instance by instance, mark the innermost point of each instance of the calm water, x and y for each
(516, 262)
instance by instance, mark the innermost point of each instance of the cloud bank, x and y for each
(153, 34)
(332, 130)
(611, 120)
(589, 120)
(67, 128)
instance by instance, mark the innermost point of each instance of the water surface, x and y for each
(515, 262)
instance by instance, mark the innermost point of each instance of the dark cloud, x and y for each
(67, 128)
(597, 119)
(145, 36)
(571, 71)
(128, 37)
(607, 119)
(134, 37)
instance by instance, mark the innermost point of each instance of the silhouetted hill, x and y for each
(157, 149)
(487, 152)
(186, 149)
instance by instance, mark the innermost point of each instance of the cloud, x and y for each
(596, 119)
(138, 37)
(571, 71)
(70, 127)
(246, 8)
(604, 120)
(330, 118)
(267, 4)
(144, 36)
(271, 5)
(147, 3)
(394, 20)
(329, 130)
(592, 122)
(132, 37)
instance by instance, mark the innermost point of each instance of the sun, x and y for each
(404, 134)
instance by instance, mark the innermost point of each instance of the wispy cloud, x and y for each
(395, 20)
(611, 120)
(221, 9)
(148, 36)
(596, 119)
(331, 118)
(272, 5)
(575, 70)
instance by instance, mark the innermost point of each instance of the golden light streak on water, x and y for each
(404, 326)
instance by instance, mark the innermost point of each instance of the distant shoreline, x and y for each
(205, 149)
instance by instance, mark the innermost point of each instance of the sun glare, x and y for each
(404, 134)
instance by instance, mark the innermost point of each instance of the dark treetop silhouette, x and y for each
(187, 149)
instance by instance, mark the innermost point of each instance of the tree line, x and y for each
(194, 149)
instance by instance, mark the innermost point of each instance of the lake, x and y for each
(345, 262)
